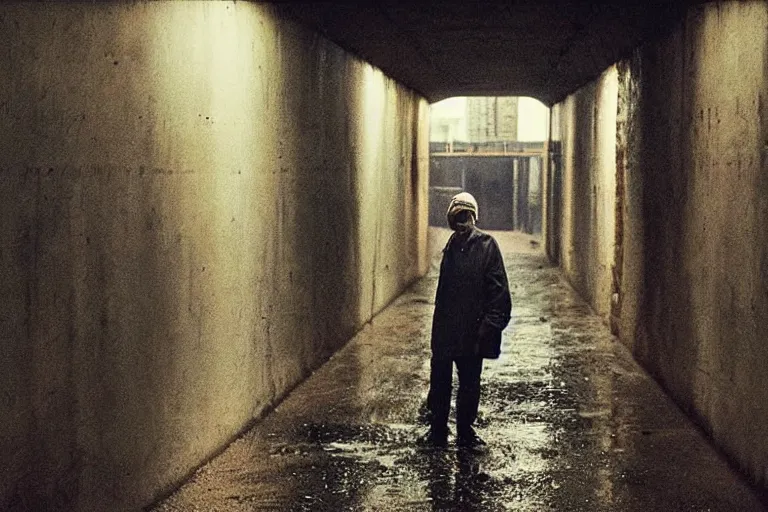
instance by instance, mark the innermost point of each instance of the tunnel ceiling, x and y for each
(541, 49)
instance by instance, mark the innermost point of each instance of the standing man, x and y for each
(472, 307)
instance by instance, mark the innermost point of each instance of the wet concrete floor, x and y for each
(573, 423)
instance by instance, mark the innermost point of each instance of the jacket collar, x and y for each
(473, 235)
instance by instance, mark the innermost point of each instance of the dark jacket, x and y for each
(472, 289)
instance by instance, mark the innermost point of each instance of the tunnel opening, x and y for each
(493, 147)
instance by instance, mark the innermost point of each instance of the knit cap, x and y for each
(460, 202)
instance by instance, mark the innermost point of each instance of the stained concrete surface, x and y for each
(584, 125)
(686, 153)
(200, 202)
(694, 294)
(572, 421)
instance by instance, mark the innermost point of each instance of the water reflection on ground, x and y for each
(572, 422)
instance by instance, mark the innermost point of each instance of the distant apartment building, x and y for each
(492, 119)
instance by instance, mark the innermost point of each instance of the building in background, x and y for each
(492, 119)
(492, 147)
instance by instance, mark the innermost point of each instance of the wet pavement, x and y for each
(573, 423)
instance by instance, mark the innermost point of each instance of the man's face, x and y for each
(462, 221)
(463, 217)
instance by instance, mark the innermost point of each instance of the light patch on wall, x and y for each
(370, 129)
(609, 85)
(374, 98)
(605, 155)
(228, 64)
(231, 100)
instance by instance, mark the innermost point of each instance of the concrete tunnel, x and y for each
(202, 201)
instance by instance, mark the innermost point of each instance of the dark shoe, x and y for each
(433, 439)
(425, 415)
(469, 440)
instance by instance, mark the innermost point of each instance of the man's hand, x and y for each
(484, 331)
(488, 341)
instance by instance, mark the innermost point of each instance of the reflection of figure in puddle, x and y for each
(458, 484)
(472, 307)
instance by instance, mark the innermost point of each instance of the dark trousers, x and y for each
(468, 396)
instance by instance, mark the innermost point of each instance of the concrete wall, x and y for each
(696, 307)
(200, 202)
(584, 131)
(693, 190)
